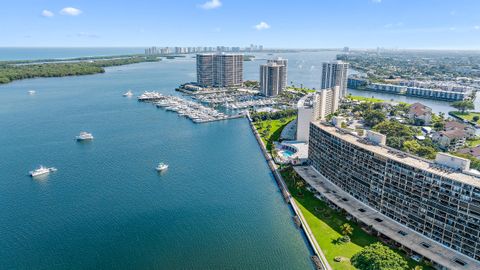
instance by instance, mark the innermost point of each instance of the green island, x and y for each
(366, 99)
(18, 70)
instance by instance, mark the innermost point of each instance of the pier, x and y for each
(192, 110)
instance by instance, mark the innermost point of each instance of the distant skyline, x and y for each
(402, 24)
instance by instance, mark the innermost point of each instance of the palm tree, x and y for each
(346, 229)
(300, 184)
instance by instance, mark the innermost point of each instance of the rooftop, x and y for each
(386, 226)
(400, 156)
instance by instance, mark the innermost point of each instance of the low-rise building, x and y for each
(420, 114)
(453, 136)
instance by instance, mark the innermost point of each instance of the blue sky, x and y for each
(438, 24)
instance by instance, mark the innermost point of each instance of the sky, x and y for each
(402, 24)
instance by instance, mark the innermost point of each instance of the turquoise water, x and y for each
(217, 206)
(287, 153)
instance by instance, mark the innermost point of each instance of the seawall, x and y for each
(319, 259)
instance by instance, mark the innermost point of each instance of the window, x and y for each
(462, 263)
(425, 245)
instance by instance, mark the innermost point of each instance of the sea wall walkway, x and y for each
(319, 258)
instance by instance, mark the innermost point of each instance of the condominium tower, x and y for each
(427, 208)
(315, 107)
(335, 74)
(219, 70)
(273, 77)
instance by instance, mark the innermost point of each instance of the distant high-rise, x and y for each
(219, 70)
(335, 74)
(273, 77)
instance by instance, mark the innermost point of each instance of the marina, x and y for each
(192, 110)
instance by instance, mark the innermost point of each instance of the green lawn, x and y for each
(276, 127)
(325, 224)
(473, 142)
(368, 99)
(467, 116)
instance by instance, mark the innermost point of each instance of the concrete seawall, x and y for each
(319, 258)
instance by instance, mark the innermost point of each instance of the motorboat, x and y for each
(84, 136)
(41, 171)
(128, 93)
(161, 167)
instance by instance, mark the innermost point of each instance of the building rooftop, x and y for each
(474, 151)
(386, 226)
(306, 101)
(401, 157)
(419, 109)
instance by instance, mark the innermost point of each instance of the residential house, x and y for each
(420, 114)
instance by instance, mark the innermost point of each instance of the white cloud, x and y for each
(70, 11)
(212, 4)
(47, 13)
(390, 25)
(376, 1)
(476, 27)
(262, 26)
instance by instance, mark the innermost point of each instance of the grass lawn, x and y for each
(473, 142)
(276, 127)
(467, 116)
(368, 99)
(325, 224)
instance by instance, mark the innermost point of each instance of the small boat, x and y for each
(41, 171)
(84, 136)
(128, 93)
(161, 167)
(32, 92)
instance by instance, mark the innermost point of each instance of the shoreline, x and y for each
(319, 259)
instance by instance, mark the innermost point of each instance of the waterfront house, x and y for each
(420, 114)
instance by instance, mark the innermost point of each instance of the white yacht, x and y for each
(32, 92)
(128, 93)
(161, 167)
(41, 171)
(84, 136)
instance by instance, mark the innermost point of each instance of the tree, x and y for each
(476, 118)
(300, 184)
(373, 117)
(346, 229)
(396, 133)
(463, 105)
(378, 257)
(411, 146)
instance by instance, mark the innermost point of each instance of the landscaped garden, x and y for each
(473, 117)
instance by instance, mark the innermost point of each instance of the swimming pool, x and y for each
(287, 153)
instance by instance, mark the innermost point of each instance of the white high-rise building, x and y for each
(273, 77)
(305, 111)
(335, 73)
(315, 107)
(219, 70)
(326, 102)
